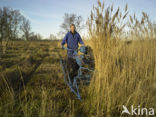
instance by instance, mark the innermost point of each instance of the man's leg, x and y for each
(72, 68)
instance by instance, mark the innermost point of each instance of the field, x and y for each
(32, 84)
(32, 81)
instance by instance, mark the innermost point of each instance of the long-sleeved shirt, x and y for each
(72, 40)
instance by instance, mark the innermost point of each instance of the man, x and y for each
(72, 38)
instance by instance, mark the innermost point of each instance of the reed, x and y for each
(123, 48)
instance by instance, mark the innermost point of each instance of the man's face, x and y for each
(72, 28)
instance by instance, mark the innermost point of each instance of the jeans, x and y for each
(72, 67)
(71, 53)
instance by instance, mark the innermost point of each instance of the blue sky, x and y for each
(46, 16)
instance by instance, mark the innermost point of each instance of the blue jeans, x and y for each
(71, 53)
(72, 66)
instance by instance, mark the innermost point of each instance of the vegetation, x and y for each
(125, 70)
(31, 79)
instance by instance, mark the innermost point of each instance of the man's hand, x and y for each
(82, 44)
(63, 47)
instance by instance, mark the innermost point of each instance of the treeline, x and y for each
(15, 26)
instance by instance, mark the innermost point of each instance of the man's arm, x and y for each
(64, 41)
(80, 40)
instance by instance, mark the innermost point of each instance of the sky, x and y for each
(46, 16)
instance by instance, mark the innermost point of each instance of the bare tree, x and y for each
(15, 24)
(9, 25)
(154, 25)
(52, 37)
(1, 30)
(5, 23)
(69, 19)
(25, 27)
(11, 22)
(39, 36)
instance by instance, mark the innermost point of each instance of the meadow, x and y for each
(31, 79)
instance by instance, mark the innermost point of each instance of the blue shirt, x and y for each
(72, 40)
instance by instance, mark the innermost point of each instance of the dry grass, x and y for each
(125, 70)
